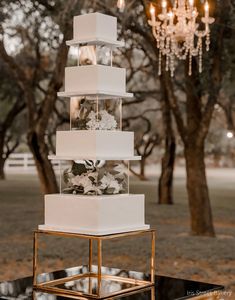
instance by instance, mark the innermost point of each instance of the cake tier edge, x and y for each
(77, 157)
(95, 215)
(94, 143)
(92, 232)
(96, 41)
(101, 94)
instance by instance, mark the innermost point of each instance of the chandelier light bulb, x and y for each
(191, 2)
(121, 5)
(206, 10)
(229, 134)
(170, 14)
(152, 9)
(164, 4)
(152, 13)
(178, 35)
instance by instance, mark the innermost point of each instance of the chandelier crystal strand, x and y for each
(159, 63)
(167, 63)
(200, 58)
(177, 34)
(190, 65)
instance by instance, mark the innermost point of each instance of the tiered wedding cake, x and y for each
(94, 155)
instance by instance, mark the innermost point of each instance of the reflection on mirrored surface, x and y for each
(144, 294)
(113, 282)
(166, 288)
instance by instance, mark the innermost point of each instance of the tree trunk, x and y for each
(142, 169)
(2, 172)
(165, 185)
(198, 194)
(2, 158)
(44, 167)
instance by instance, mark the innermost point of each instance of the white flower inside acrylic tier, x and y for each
(104, 121)
(94, 178)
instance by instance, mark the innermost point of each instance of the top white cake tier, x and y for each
(95, 28)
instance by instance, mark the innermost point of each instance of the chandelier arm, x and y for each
(203, 33)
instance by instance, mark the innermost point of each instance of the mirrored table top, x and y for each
(166, 288)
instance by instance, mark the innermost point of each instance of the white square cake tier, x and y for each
(95, 143)
(94, 215)
(94, 26)
(94, 79)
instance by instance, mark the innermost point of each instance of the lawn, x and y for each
(177, 253)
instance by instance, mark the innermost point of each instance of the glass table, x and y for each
(166, 288)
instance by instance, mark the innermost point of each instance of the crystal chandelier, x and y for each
(177, 33)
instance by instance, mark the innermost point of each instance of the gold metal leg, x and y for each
(152, 263)
(35, 257)
(152, 293)
(52, 286)
(90, 264)
(90, 255)
(99, 266)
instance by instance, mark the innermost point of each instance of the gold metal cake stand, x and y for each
(95, 282)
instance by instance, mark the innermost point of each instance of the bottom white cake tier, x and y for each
(94, 215)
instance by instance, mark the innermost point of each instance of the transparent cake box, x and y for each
(94, 55)
(95, 114)
(94, 177)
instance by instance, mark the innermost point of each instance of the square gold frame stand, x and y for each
(57, 286)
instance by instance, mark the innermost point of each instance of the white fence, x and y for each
(22, 162)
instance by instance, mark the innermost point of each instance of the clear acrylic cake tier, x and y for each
(91, 114)
(94, 177)
(94, 55)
